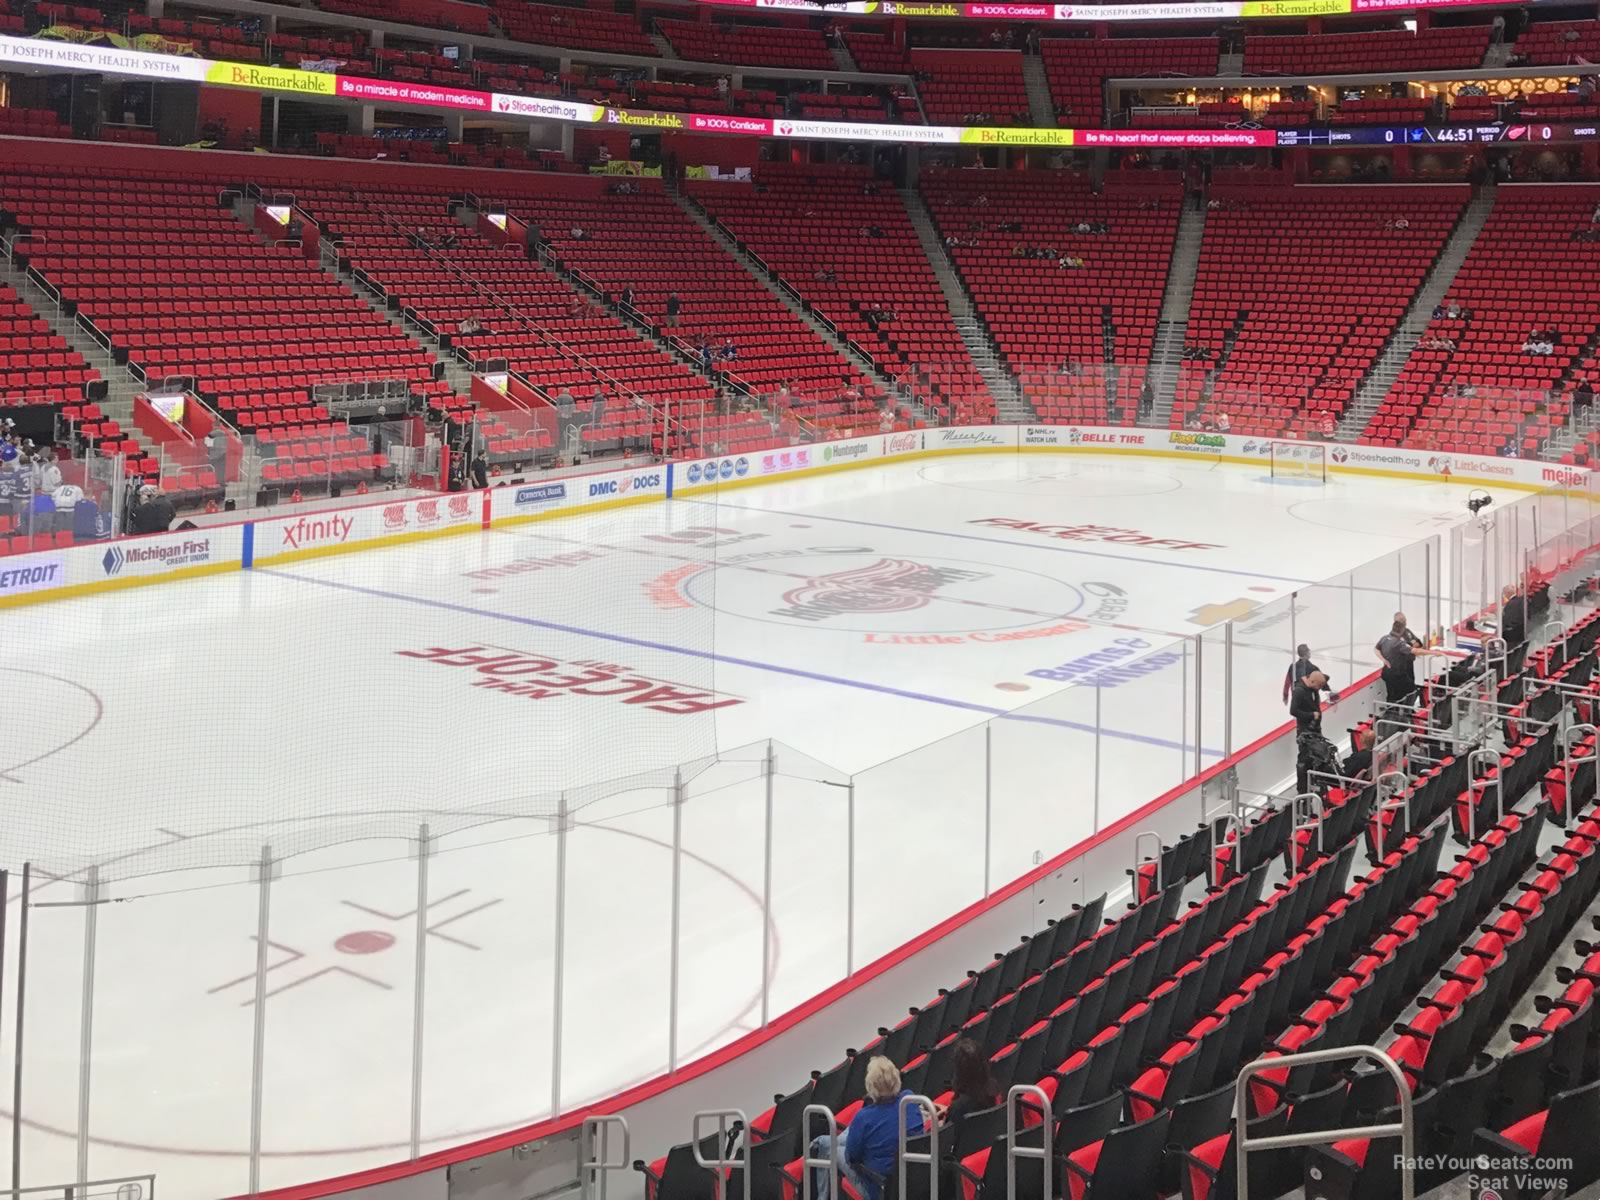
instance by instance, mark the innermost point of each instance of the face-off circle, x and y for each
(858, 589)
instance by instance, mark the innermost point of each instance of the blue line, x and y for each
(752, 664)
(977, 537)
(669, 479)
(247, 556)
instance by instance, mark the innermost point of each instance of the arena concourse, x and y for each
(697, 600)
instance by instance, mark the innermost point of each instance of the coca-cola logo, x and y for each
(394, 516)
(899, 443)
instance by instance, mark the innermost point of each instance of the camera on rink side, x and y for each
(1479, 501)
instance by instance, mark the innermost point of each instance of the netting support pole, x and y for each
(419, 986)
(1183, 737)
(1199, 708)
(1098, 733)
(677, 918)
(850, 879)
(258, 1055)
(559, 970)
(1294, 621)
(22, 1007)
(1227, 690)
(988, 801)
(1351, 652)
(769, 768)
(1427, 588)
(89, 897)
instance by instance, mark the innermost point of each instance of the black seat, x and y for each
(677, 1176)
(1565, 1132)
(1126, 1163)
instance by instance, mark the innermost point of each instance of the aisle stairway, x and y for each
(1010, 405)
(1376, 385)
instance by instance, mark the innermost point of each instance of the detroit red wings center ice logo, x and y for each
(886, 586)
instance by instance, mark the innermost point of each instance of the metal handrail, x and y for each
(1490, 658)
(593, 1159)
(1013, 1151)
(86, 1190)
(1400, 799)
(1314, 812)
(930, 1120)
(808, 1161)
(1138, 840)
(1225, 820)
(1570, 762)
(1404, 1129)
(1488, 778)
(723, 1161)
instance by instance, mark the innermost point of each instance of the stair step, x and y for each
(1380, 378)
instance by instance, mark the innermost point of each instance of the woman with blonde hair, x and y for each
(870, 1142)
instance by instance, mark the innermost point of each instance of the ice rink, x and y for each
(1016, 627)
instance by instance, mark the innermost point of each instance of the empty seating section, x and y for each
(1077, 69)
(877, 52)
(213, 38)
(1296, 292)
(801, 49)
(528, 315)
(966, 87)
(33, 122)
(580, 28)
(454, 15)
(1077, 339)
(1382, 111)
(647, 243)
(1559, 106)
(347, 45)
(1469, 383)
(186, 290)
(419, 66)
(1435, 49)
(1556, 43)
(36, 364)
(879, 291)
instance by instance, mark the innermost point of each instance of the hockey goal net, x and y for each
(1300, 460)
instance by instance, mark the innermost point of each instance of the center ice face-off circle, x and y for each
(859, 589)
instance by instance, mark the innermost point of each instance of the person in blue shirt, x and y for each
(871, 1141)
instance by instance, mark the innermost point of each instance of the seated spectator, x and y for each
(728, 352)
(1453, 310)
(1359, 764)
(1582, 397)
(974, 1088)
(579, 233)
(470, 326)
(1223, 424)
(868, 1154)
(449, 242)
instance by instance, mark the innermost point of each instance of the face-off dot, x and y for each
(364, 941)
